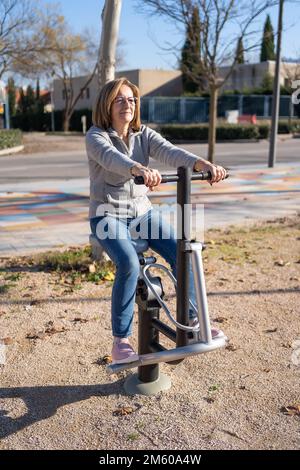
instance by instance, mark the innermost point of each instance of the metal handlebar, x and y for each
(171, 178)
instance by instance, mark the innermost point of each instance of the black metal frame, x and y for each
(149, 323)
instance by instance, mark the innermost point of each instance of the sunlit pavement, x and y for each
(39, 216)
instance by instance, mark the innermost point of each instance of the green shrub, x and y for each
(42, 121)
(10, 138)
(200, 132)
(284, 127)
(263, 130)
(234, 132)
(184, 132)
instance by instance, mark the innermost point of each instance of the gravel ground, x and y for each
(55, 392)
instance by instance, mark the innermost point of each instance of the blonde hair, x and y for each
(106, 96)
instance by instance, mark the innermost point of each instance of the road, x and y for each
(73, 165)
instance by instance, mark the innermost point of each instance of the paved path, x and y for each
(38, 216)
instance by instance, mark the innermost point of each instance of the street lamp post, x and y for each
(7, 115)
(52, 108)
(4, 99)
(276, 93)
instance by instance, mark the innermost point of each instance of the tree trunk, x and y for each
(213, 103)
(106, 65)
(108, 44)
(66, 123)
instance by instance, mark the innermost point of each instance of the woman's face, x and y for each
(123, 107)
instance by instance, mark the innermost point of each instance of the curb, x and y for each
(12, 150)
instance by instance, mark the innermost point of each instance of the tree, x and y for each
(222, 23)
(240, 52)
(30, 99)
(37, 90)
(267, 46)
(109, 38)
(62, 55)
(39, 105)
(22, 103)
(191, 55)
(19, 20)
(11, 90)
(267, 84)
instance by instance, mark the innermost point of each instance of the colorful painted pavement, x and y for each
(39, 217)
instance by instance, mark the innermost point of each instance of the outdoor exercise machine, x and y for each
(189, 340)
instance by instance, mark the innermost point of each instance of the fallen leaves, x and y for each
(109, 276)
(293, 410)
(281, 263)
(231, 347)
(220, 319)
(102, 361)
(51, 328)
(80, 320)
(36, 335)
(123, 411)
(92, 268)
(6, 341)
(271, 330)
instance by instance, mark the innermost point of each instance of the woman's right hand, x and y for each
(151, 176)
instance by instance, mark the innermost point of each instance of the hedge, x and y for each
(10, 138)
(42, 121)
(199, 132)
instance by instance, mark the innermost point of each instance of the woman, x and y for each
(118, 149)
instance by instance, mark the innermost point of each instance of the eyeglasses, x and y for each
(122, 100)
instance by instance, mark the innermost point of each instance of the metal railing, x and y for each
(194, 109)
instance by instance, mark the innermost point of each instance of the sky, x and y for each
(143, 37)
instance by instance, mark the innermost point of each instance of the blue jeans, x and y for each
(119, 247)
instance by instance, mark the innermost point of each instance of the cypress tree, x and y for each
(22, 103)
(11, 90)
(39, 106)
(240, 52)
(30, 99)
(191, 55)
(37, 90)
(267, 45)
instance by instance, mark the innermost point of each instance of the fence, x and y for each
(188, 110)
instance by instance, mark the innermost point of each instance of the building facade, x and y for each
(150, 83)
(249, 76)
(168, 83)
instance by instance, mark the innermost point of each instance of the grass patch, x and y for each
(229, 251)
(13, 277)
(134, 436)
(77, 264)
(5, 288)
(69, 260)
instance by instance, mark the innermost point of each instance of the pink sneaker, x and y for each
(123, 352)
(215, 332)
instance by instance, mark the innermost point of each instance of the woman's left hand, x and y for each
(218, 173)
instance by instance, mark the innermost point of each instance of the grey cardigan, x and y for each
(112, 189)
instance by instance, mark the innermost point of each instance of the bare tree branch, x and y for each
(222, 24)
